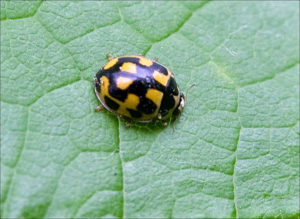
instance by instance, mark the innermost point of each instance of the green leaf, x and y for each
(233, 153)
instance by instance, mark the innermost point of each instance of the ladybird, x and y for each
(139, 89)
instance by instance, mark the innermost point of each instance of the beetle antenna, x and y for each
(187, 91)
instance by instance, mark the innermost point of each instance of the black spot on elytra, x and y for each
(173, 87)
(111, 103)
(146, 106)
(138, 87)
(128, 59)
(159, 68)
(134, 113)
(168, 101)
(116, 92)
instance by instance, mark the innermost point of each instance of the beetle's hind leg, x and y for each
(99, 108)
(127, 124)
(165, 123)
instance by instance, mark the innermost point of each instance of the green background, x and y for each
(234, 152)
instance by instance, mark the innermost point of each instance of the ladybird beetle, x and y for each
(139, 89)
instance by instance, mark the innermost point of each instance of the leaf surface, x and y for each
(234, 152)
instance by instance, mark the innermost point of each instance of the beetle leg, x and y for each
(109, 56)
(127, 124)
(98, 108)
(165, 123)
(159, 116)
(156, 59)
(173, 126)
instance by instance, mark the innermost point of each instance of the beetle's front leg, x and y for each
(110, 57)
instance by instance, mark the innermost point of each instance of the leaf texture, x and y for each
(234, 152)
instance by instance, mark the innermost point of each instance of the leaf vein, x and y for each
(268, 78)
(55, 88)
(122, 165)
(235, 159)
(7, 201)
(28, 16)
(57, 184)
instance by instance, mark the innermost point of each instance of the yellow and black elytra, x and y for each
(139, 89)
